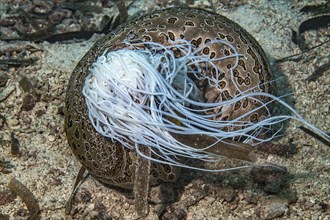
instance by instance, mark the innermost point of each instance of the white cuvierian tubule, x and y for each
(141, 95)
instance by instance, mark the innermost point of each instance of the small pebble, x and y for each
(25, 84)
(270, 178)
(314, 112)
(15, 146)
(29, 101)
(272, 211)
(51, 138)
(312, 85)
(3, 79)
(12, 121)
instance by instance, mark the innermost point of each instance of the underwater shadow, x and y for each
(283, 90)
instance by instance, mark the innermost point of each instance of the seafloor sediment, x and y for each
(33, 111)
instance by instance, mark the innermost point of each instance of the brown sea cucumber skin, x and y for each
(111, 163)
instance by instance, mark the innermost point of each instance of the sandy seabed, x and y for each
(48, 168)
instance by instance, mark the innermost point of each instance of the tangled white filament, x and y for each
(136, 96)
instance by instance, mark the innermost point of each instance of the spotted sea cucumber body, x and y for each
(113, 164)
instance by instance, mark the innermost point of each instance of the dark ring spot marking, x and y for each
(146, 37)
(166, 168)
(230, 38)
(76, 133)
(235, 72)
(254, 118)
(142, 30)
(237, 105)
(152, 29)
(206, 50)
(220, 26)
(247, 81)
(189, 23)
(74, 146)
(209, 22)
(245, 103)
(222, 84)
(240, 80)
(171, 35)
(221, 35)
(171, 177)
(190, 16)
(172, 20)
